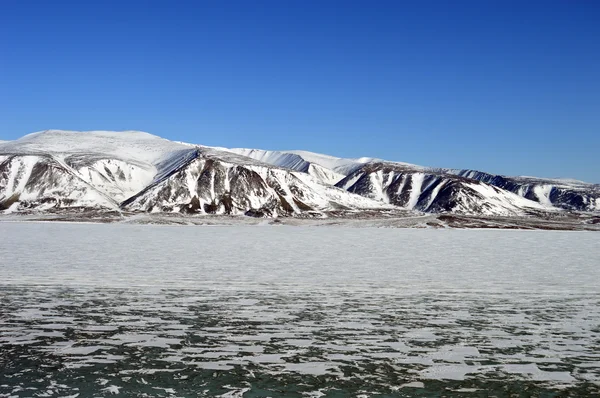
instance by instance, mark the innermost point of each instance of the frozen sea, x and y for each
(95, 310)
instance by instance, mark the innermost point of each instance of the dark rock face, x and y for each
(572, 199)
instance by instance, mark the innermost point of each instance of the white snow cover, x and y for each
(438, 304)
(419, 189)
(63, 187)
(512, 203)
(567, 193)
(114, 165)
(282, 159)
(543, 194)
(560, 182)
(292, 161)
(179, 190)
(126, 145)
(324, 175)
(340, 165)
(101, 174)
(416, 188)
(299, 160)
(345, 166)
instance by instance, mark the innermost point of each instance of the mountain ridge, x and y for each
(133, 171)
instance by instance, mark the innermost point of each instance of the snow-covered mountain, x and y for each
(135, 171)
(138, 172)
(324, 171)
(219, 182)
(69, 169)
(565, 194)
(41, 182)
(426, 190)
(381, 180)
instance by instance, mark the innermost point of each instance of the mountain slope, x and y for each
(566, 194)
(563, 194)
(404, 185)
(292, 161)
(115, 165)
(127, 145)
(218, 183)
(40, 182)
(415, 188)
(342, 166)
(137, 172)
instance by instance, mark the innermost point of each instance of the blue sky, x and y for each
(510, 87)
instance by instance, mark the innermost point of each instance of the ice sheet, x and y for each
(363, 310)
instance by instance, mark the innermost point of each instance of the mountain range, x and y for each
(133, 172)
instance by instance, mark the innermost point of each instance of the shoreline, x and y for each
(574, 222)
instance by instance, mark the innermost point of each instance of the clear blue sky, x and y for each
(510, 87)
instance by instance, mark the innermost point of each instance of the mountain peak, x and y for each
(135, 145)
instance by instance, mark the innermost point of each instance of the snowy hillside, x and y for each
(115, 165)
(566, 194)
(212, 185)
(429, 191)
(133, 171)
(40, 182)
(562, 194)
(127, 144)
(325, 174)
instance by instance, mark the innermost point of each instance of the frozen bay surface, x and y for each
(141, 310)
